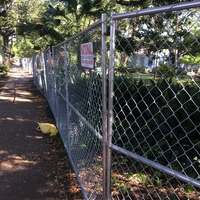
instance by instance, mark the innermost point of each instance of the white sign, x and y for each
(87, 58)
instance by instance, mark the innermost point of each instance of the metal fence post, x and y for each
(48, 58)
(34, 69)
(67, 98)
(104, 105)
(145, 123)
(110, 103)
(54, 84)
(45, 78)
(139, 146)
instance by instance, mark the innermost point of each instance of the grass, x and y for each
(182, 78)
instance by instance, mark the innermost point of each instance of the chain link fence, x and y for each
(131, 125)
(74, 94)
(79, 108)
(154, 96)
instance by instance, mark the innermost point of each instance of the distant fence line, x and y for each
(131, 124)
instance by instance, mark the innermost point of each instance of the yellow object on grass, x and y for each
(47, 128)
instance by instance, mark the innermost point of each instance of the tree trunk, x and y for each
(6, 50)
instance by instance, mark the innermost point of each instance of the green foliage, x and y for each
(124, 44)
(189, 188)
(40, 29)
(88, 86)
(23, 48)
(142, 177)
(164, 70)
(147, 118)
(56, 22)
(173, 197)
(190, 60)
(4, 68)
(7, 27)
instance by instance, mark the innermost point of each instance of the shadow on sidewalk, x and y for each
(26, 167)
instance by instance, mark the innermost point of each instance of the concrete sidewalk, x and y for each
(26, 169)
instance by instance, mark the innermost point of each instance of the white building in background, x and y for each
(139, 59)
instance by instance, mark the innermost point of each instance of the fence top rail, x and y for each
(151, 11)
(96, 24)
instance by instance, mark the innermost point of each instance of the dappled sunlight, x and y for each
(3, 152)
(34, 137)
(7, 118)
(14, 163)
(15, 91)
(15, 99)
(17, 118)
(26, 163)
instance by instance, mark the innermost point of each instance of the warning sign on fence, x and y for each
(87, 57)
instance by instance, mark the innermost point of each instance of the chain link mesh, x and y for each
(152, 143)
(78, 103)
(156, 106)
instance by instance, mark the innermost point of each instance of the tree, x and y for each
(169, 31)
(85, 12)
(38, 27)
(7, 28)
(58, 20)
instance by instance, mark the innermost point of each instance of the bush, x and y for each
(4, 68)
(158, 122)
(164, 70)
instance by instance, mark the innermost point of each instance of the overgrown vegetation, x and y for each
(164, 70)
(4, 68)
(159, 120)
